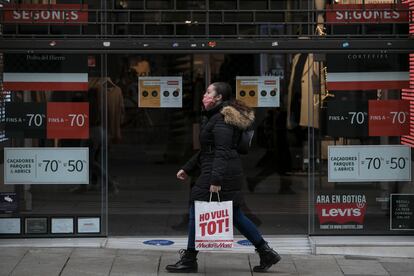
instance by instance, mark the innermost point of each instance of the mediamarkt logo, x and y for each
(41, 14)
(341, 208)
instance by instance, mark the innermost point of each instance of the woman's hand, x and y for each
(182, 175)
(215, 189)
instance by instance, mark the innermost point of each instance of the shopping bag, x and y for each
(214, 225)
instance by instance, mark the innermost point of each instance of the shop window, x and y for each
(159, 30)
(191, 29)
(145, 17)
(253, 5)
(278, 5)
(216, 17)
(248, 29)
(175, 16)
(55, 30)
(223, 4)
(223, 30)
(191, 5)
(238, 17)
(135, 29)
(160, 4)
(91, 29)
(199, 17)
(269, 17)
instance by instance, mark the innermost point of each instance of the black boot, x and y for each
(268, 257)
(186, 264)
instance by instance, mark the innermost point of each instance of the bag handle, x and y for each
(218, 196)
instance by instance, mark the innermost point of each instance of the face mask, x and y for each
(208, 101)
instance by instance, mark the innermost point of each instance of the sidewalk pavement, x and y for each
(103, 261)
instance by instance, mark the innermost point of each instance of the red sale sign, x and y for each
(69, 14)
(389, 117)
(67, 120)
(368, 13)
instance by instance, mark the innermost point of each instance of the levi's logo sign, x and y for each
(341, 209)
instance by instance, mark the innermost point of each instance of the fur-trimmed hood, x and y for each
(238, 118)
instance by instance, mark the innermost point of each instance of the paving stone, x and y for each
(356, 262)
(16, 252)
(317, 266)
(93, 252)
(227, 264)
(357, 267)
(395, 260)
(49, 261)
(407, 267)
(129, 252)
(9, 258)
(88, 266)
(135, 265)
(312, 257)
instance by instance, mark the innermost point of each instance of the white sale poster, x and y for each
(214, 225)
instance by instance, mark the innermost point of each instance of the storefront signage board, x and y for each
(159, 92)
(258, 91)
(45, 72)
(46, 165)
(347, 119)
(42, 14)
(10, 225)
(62, 225)
(367, 71)
(368, 118)
(8, 202)
(402, 212)
(341, 211)
(89, 225)
(52, 120)
(36, 225)
(368, 13)
(25, 120)
(67, 120)
(369, 163)
(389, 118)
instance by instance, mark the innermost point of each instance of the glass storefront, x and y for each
(91, 140)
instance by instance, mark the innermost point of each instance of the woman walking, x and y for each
(221, 171)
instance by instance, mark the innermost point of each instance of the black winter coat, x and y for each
(218, 159)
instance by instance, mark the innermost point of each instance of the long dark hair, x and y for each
(224, 89)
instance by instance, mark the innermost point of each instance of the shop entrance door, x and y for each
(156, 138)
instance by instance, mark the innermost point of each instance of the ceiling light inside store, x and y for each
(52, 43)
(188, 22)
